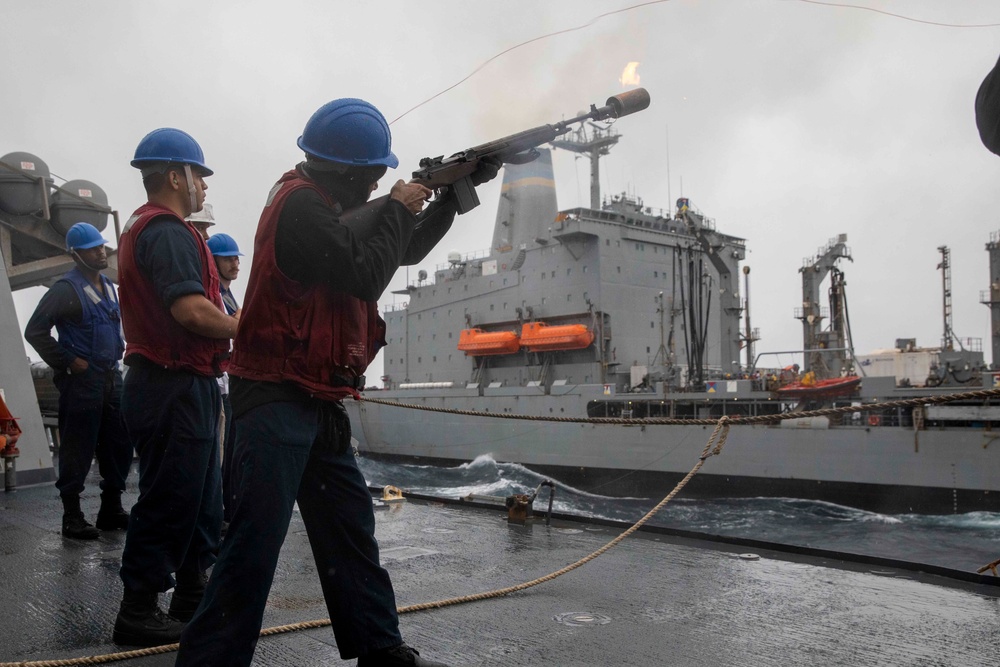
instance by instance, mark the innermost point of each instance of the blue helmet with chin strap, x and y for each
(83, 236)
(223, 245)
(169, 145)
(349, 131)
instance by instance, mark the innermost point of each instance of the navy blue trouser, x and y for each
(90, 422)
(173, 420)
(287, 451)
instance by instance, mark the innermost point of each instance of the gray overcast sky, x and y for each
(789, 122)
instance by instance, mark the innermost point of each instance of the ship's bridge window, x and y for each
(584, 268)
(491, 307)
(553, 274)
(568, 271)
(619, 269)
(656, 274)
(569, 297)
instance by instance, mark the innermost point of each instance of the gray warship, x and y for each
(624, 310)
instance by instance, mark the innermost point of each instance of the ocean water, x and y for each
(961, 541)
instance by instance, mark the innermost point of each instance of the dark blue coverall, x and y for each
(291, 447)
(89, 327)
(173, 421)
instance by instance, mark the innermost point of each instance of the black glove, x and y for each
(486, 170)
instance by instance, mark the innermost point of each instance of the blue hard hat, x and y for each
(223, 245)
(83, 236)
(169, 145)
(349, 131)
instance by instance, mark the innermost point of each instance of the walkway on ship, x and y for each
(653, 600)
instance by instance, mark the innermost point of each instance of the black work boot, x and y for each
(73, 523)
(401, 656)
(188, 592)
(111, 516)
(141, 622)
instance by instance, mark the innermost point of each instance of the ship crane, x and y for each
(822, 357)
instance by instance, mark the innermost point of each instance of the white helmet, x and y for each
(203, 216)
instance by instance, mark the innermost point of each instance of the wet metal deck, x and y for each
(653, 600)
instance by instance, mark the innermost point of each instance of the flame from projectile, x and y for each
(629, 76)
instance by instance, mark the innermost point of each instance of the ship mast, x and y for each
(948, 337)
(593, 143)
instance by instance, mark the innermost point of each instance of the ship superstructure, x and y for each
(658, 291)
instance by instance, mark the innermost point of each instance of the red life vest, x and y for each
(150, 329)
(313, 336)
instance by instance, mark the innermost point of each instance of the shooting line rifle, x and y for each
(456, 171)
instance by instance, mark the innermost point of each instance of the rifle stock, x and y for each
(456, 171)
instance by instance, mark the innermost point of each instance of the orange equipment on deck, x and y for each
(479, 343)
(540, 337)
(9, 433)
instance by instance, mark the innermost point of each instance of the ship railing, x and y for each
(970, 344)
(899, 417)
(466, 259)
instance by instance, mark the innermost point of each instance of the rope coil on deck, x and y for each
(716, 442)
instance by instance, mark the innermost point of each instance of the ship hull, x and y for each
(888, 469)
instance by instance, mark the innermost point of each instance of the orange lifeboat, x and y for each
(540, 337)
(829, 388)
(479, 343)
